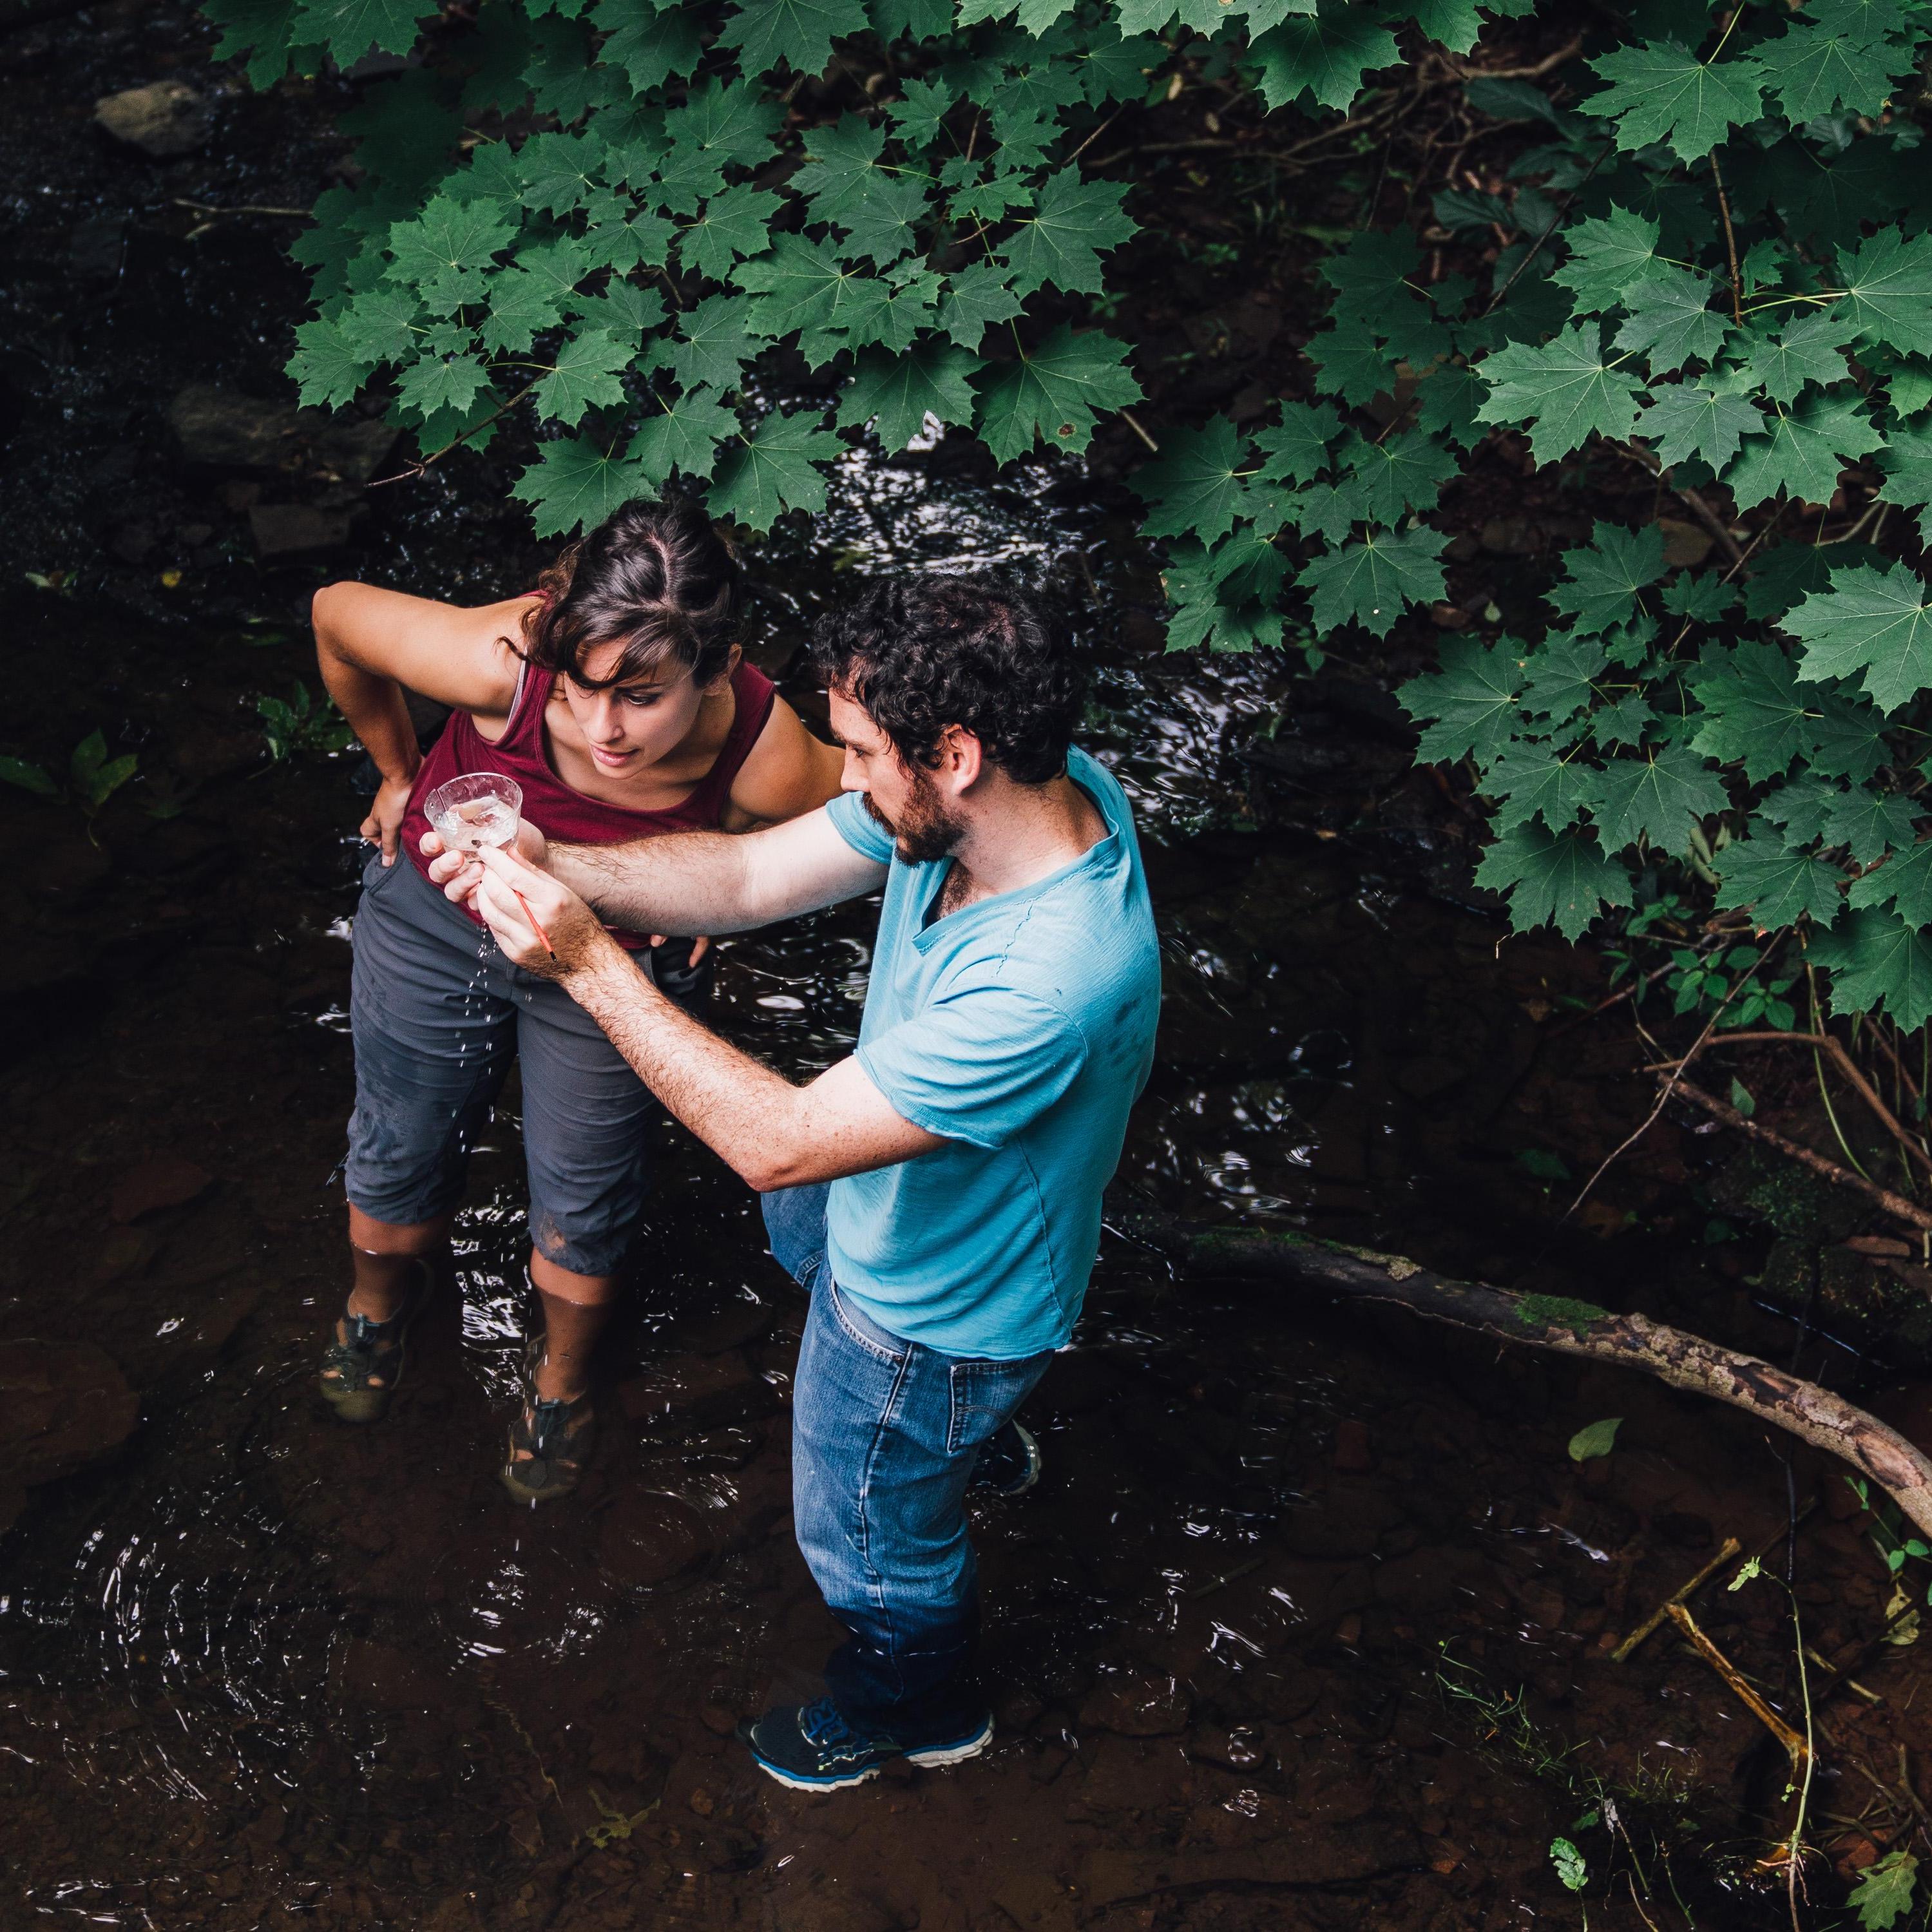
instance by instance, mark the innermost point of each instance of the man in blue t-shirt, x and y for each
(938, 1192)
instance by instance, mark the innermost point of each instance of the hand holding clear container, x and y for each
(480, 811)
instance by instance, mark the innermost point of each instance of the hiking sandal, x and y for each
(550, 1441)
(363, 1365)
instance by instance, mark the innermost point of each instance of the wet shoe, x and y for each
(1009, 1462)
(549, 1441)
(362, 1367)
(812, 1747)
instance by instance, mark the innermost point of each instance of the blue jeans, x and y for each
(885, 1434)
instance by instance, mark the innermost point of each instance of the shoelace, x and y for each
(824, 1724)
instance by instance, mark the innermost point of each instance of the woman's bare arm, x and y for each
(788, 773)
(371, 643)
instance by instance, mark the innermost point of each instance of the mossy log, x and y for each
(1566, 1327)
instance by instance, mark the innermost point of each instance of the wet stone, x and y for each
(296, 530)
(63, 1405)
(165, 118)
(167, 1180)
(225, 430)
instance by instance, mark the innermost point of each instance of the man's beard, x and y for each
(926, 830)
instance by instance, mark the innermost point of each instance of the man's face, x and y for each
(902, 797)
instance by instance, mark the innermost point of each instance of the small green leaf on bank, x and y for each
(1596, 1440)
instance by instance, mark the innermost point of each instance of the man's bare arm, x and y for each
(774, 1134)
(716, 881)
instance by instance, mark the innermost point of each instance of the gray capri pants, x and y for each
(435, 1012)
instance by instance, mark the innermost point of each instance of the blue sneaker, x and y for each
(812, 1747)
(1009, 1461)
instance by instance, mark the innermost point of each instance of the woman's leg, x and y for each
(577, 1309)
(432, 1033)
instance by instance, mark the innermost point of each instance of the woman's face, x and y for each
(628, 726)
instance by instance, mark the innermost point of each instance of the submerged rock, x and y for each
(296, 530)
(63, 1405)
(225, 430)
(164, 119)
(166, 1181)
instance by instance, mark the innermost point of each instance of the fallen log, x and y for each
(1553, 1322)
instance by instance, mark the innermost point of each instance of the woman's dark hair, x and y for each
(921, 653)
(657, 578)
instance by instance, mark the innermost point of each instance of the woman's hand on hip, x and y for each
(384, 825)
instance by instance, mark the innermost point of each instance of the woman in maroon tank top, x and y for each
(615, 697)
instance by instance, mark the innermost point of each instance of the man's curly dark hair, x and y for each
(919, 654)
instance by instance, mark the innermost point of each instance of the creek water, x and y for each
(1306, 1625)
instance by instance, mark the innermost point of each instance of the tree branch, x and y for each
(1686, 1361)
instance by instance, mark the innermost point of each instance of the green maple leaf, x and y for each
(1225, 598)
(626, 310)
(1325, 510)
(1053, 393)
(1562, 673)
(1687, 419)
(734, 225)
(1811, 349)
(1370, 273)
(798, 32)
(1765, 876)
(1469, 707)
(1401, 473)
(1562, 876)
(1877, 960)
(328, 369)
(1660, 799)
(730, 125)
(585, 373)
(1904, 881)
(1194, 485)
(1604, 579)
(1073, 221)
(1301, 445)
(774, 470)
(434, 382)
(1870, 622)
(558, 267)
(1529, 781)
(1350, 366)
(1806, 449)
(841, 166)
(1627, 722)
(1661, 91)
(1565, 386)
(649, 45)
(575, 485)
(1888, 290)
(1670, 319)
(558, 171)
(1446, 402)
(919, 116)
(382, 324)
(683, 438)
(1850, 738)
(1370, 583)
(266, 27)
(1814, 69)
(349, 28)
(520, 305)
(712, 345)
(1752, 713)
(883, 225)
(973, 298)
(445, 249)
(1906, 461)
(1325, 57)
(898, 393)
(1608, 255)
(1871, 824)
(809, 288)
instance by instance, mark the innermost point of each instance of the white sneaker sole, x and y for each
(929, 1760)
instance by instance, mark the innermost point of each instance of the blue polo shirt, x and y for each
(1021, 1029)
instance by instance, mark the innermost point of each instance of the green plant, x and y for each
(92, 777)
(297, 724)
(1697, 272)
(1883, 1894)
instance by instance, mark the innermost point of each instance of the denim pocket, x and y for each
(984, 1394)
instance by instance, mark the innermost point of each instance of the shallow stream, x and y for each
(1308, 1623)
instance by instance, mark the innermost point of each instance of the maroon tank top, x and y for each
(554, 808)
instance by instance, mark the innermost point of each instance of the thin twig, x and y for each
(1894, 1205)
(1731, 1547)
(410, 472)
(1730, 243)
(1133, 423)
(1796, 1748)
